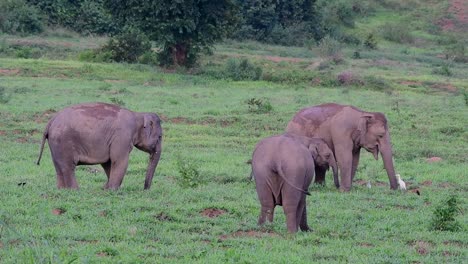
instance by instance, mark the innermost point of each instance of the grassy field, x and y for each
(201, 207)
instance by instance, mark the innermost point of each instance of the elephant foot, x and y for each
(306, 229)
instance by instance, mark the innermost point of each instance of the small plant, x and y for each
(444, 216)
(396, 32)
(349, 78)
(4, 96)
(329, 47)
(257, 105)
(370, 42)
(443, 70)
(189, 174)
(357, 55)
(465, 95)
(117, 101)
(24, 53)
(242, 70)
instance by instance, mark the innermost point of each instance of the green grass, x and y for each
(208, 122)
(210, 128)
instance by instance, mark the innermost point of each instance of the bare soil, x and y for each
(212, 212)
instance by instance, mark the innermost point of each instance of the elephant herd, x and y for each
(283, 166)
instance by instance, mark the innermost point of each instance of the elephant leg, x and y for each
(320, 175)
(303, 222)
(118, 170)
(267, 205)
(291, 212)
(65, 170)
(356, 155)
(345, 159)
(107, 168)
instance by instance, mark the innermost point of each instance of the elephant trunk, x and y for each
(386, 152)
(153, 163)
(335, 171)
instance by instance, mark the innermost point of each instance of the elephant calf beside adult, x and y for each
(283, 168)
(99, 133)
(346, 129)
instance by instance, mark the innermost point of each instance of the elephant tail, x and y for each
(281, 174)
(45, 135)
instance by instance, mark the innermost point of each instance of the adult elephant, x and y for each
(100, 133)
(346, 129)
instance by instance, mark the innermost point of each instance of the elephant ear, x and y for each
(362, 127)
(147, 124)
(313, 151)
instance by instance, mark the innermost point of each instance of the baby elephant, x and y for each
(99, 133)
(283, 167)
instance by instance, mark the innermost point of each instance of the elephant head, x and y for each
(375, 137)
(149, 139)
(323, 157)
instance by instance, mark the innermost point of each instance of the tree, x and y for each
(183, 28)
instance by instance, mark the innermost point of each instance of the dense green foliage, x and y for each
(84, 16)
(182, 28)
(16, 17)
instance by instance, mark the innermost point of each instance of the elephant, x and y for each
(346, 129)
(283, 168)
(100, 133)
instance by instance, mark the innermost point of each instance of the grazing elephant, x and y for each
(99, 133)
(283, 168)
(346, 129)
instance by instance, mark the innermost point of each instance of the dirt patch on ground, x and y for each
(9, 72)
(445, 185)
(44, 116)
(212, 212)
(457, 19)
(280, 59)
(58, 211)
(433, 159)
(445, 87)
(249, 233)
(422, 247)
(163, 217)
(411, 83)
(366, 245)
(115, 81)
(427, 183)
(181, 120)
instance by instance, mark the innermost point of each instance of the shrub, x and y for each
(396, 32)
(456, 50)
(329, 47)
(444, 215)
(127, 46)
(242, 70)
(376, 83)
(370, 42)
(349, 78)
(18, 17)
(257, 105)
(4, 96)
(189, 174)
(443, 70)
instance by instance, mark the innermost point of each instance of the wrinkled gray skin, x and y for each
(283, 168)
(346, 129)
(99, 133)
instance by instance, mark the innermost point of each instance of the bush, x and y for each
(329, 47)
(127, 46)
(349, 78)
(257, 105)
(370, 42)
(396, 32)
(189, 174)
(4, 96)
(443, 70)
(242, 70)
(16, 17)
(444, 216)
